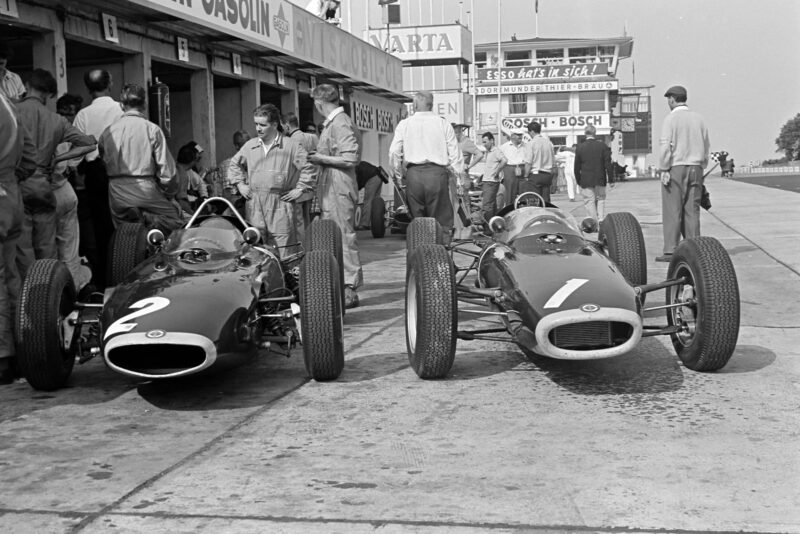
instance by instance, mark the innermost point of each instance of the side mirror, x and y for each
(588, 226)
(497, 224)
(251, 235)
(155, 237)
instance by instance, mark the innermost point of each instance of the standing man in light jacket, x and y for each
(683, 154)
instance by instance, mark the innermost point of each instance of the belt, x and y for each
(426, 164)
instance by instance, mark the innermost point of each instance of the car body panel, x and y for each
(564, 297)
(187, 308)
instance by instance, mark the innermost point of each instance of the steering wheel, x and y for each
(529, 199)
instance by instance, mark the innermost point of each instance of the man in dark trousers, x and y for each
(593, 171)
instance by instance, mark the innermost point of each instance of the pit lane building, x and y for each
(208, 63)
(565, 85)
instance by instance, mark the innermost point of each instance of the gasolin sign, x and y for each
(425, 45)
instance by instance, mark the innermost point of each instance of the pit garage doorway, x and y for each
(20, 47)
(178, 79)
(83, 57)
(306, 113)
(229, 116)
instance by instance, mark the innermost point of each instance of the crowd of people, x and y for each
(67, 178)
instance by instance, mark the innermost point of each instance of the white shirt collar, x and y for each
(333, 114)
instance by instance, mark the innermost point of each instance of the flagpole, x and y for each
(499, 87)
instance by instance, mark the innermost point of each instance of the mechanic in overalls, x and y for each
(271, 172)
(141, 172)
(17, 162)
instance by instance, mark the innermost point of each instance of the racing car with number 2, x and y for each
(207, 297)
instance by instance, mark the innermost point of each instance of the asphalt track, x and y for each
(632, 444)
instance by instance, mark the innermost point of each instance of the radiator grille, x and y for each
(590, 335)
(157, 359)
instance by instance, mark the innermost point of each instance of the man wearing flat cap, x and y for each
(683, 154)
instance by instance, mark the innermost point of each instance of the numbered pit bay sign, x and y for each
(281, 75)
(9, 8)
(183, 49)
(110, 32)
(236, 63)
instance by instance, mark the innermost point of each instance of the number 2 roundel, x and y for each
(143, 307)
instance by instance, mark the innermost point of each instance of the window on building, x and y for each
(519, 104)
(550, 56)
(558, 141)
(592, 101)
(552, 102)
(584, 54)
(480, 60)
(606, 53)
(518, 58)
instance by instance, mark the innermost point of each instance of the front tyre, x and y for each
(321, 316)
(44, 354)
(377, 224)
(709, 316)
(127, 249)
(431, 311)
(423, 231)
(623, 242)
(324, 234)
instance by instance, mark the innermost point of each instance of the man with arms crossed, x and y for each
(272, 171)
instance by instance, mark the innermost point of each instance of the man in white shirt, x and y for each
(490, 183)
(93, 120)
(518, 164)
(10, 83)
(426, 146)
(542, 162)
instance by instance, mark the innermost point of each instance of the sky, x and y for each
(738, 59)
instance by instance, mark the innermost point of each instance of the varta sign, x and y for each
(425, 45)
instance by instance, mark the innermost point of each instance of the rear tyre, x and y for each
(324, 234)
(423, 231)
(709, 320)
(46, 299)
(377, 224)
(431, 311)
(321, 316)
(622, 239)
(127, 249)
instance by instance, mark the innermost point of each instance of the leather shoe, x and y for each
(8, 372)
(665, 258)
(350, 298)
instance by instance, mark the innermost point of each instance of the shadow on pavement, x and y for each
(748, 358)
(648, 369)
(253, 384)
(373, 366)
(481, 364)
(363, 317)
(90, 383)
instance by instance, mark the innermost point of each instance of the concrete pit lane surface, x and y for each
(636, 443)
